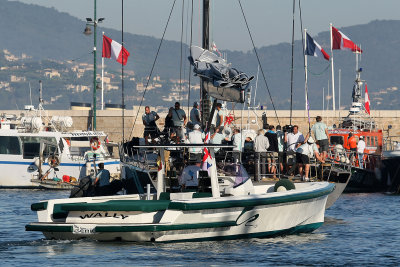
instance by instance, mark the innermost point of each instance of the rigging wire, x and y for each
(190, 69)
(304, 61)
(291, 70)
(152, 67)
(259, 62)
(180, 66)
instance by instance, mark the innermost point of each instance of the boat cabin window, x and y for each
(31, 146)
(368, 141)
(376, 141)
(336, 140)
(10, 145)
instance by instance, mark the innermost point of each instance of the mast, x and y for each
(332, 69)
(204, 97)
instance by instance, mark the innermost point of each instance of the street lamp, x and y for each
(93, 23)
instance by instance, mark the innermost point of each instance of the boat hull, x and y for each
(197, 219)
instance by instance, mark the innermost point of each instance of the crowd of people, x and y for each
(280, 150)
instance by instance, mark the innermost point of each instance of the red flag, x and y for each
(342, 42)
(367, 100)
(112, 49)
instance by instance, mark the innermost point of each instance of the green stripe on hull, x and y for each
(49, 228)
(39, 206)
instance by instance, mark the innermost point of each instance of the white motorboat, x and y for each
(221, 208)
(27, 145)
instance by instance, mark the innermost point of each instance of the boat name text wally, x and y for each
(103, 215)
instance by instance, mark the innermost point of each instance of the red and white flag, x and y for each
(366, 100)
(342, 42)
(214, 48)
(207, 159)
(112, 49)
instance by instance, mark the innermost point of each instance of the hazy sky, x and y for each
(270, 20)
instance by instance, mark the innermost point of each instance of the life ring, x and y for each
(53, 161)
(95, 143)
(284, 185)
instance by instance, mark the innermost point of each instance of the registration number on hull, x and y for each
(83, 229)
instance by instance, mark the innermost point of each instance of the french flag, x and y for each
(314, 49)
(342, 42)
(112, 49)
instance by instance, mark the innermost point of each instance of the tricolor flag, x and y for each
(342, 42)
(314, 49)
(114, 50)
(366, 100)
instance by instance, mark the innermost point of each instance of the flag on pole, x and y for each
(314, 49)
(214, 48)
(366, 100)
(112, 49)
(342, 42)
(207, 159)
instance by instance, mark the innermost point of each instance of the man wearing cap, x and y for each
(360, 152)
(320, 131)
(195, 137)
(195, 114)
(303, 155)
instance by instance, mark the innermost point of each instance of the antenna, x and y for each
(40, 93)
(30, 92)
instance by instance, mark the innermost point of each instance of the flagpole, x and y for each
(122, 73)
(102, 81)
(305, 68)
(332, 68)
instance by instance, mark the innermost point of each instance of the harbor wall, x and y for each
(110, 121)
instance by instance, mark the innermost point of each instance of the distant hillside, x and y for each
(45, 35)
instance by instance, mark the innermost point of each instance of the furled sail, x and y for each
(219, 79)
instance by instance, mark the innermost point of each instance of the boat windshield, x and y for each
(238, 171)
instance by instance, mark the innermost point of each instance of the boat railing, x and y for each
(391, 143)
(344, 156)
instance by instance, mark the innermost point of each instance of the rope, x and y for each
(180, 66)
(152, 67)
(259, 62)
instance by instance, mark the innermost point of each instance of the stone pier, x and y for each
(110, 121)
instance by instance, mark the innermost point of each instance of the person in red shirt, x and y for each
(352, 142)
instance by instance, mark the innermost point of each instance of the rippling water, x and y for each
(360, 229)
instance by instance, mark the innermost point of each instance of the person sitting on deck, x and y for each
(303, 155)
(190, 177)
(102, 181)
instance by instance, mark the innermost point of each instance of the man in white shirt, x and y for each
(303, 155)
(293, 140)
(238, 142)
(261, 145)
(195, 137)
(219, 124)
(360, 152)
